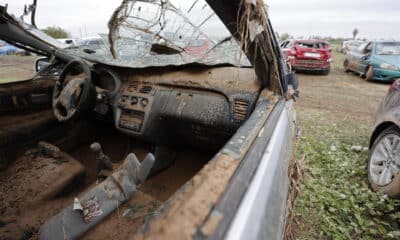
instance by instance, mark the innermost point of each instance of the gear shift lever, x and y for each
(104, 164)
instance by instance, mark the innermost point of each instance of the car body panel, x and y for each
(255, 218)
(360, 59)
(388, 113)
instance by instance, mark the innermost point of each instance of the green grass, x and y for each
(337, 66)
(335, 200)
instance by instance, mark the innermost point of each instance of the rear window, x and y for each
(316, 45)
(355, 44)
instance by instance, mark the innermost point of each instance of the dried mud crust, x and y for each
(24, 188)
(25, 206)
(129, 218)
(205, 187)
(189, 209)
(125, 220)
(223, 79)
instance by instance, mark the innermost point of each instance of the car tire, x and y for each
(392, 188)
(369, 74)
(346, 66)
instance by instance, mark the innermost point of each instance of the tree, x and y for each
(285, 36)
(56, 32)
(355, 33)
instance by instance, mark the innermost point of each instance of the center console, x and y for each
(134, 105)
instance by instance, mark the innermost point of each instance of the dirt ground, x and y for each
(15, 68)
(342, 94)
(335, 201)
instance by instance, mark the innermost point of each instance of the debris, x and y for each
(127, 212)
(48, 150)
(91, 210)
(212, 223)
(99, 201)
(333, 148)
(77, 205)
(356, 148)
(298, 133)
(365, 149)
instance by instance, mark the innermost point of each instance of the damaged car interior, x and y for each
(158, 133)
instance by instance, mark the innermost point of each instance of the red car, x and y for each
(308, 55)
(198, 47)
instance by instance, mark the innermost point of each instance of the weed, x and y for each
(335, 200)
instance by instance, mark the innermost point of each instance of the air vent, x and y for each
(146, 89)
(133, 87)
(240, 109)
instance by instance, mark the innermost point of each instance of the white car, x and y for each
(69, 42)
(350, 45)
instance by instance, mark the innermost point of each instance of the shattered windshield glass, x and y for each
(165, 33)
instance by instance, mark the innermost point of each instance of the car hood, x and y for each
(390, 59)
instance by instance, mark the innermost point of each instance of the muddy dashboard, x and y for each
(205, 105)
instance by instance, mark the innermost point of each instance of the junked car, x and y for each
(89, 41)
(143, 139)
(350, 45)
(384, 157)
(69, 42)
(308, 55)
(375, 60)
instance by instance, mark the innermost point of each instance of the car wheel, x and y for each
(384, 163)
(346, 66)
(369, 74)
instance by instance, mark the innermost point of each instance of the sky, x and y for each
(375, 19)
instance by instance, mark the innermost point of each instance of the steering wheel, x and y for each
(73, 92)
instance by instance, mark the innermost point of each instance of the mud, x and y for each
(226, 80)
(25, 205)
(193, 202)
(125, 220)
(24, 188)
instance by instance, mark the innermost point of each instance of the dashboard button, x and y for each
(144, 102)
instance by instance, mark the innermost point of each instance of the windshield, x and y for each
(162, 33)
(354, 44)
(388, 48)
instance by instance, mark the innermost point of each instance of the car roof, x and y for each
(385, 41)
(311, 41)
